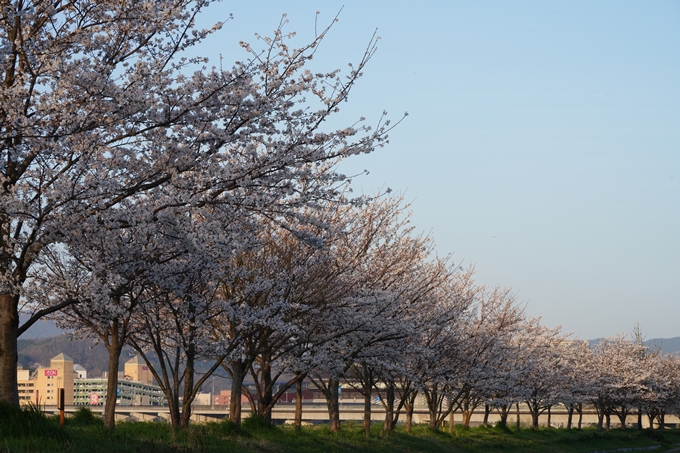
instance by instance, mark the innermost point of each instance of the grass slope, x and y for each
(29, 430)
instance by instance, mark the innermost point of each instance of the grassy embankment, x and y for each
(31, 431)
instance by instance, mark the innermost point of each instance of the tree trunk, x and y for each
(9, 328)
(622, 418)
(298, 405)
(662, 420)
(580, 414)
(171, 383)
(367, 411)
(264, 402)
(639, 418)
(409, 417)
(112, 385)
(388, 425)
(600, 420)
(173, 409)
(517, 407)
(237, 374)
(549, 417)
(451, 422)
(608, 421)
(467, 412)
(432, 406)
(487, 410)
(467, 415)
(333, 401)
(504, 412)
(436, 408)
(534, 419)
(188, 396)
(570, 416)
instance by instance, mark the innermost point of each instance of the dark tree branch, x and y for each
(44, 312)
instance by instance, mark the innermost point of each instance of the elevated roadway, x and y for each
(317, 412)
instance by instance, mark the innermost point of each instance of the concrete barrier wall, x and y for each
(318, 413)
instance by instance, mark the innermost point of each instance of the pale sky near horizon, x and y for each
(542, 143)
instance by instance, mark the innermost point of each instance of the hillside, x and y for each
(39, 351)
(41, 329)
(666, 345)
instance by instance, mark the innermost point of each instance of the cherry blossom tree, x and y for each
(176, 330)
(106, 296)
(440, 345)
(616, 378)
(661, 393)
(121, 274)
(381, 265)
(541, 383)
(276, 290)
(496, 320)
(179, 319)
(99, 104)
(391, 362)
(575, 388)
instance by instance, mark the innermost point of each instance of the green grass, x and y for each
(29, 430)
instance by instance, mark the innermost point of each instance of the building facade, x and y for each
(42, 386)
(25, 386)
(92, 392)
(136, 370)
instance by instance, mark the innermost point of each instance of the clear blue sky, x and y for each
(542, 142)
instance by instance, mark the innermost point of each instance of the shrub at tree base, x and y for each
(229, 428)
(502, 427)
(85, 417)
(256, 423)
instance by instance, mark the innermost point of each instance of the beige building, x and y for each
(25, 385)
(137, 371)
(58, 375)
(43, 387)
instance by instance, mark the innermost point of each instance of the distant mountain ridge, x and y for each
(41, 329)
(34, 351)
(93, 357)
(666, 345)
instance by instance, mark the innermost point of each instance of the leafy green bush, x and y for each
(502, 427)
(84, 417)
(255, 422)
(229, 428)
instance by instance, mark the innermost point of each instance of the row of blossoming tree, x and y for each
(199, 216)
(126, 160)
(343, 293)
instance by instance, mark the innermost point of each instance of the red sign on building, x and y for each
(51, 372)
(94, 399)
